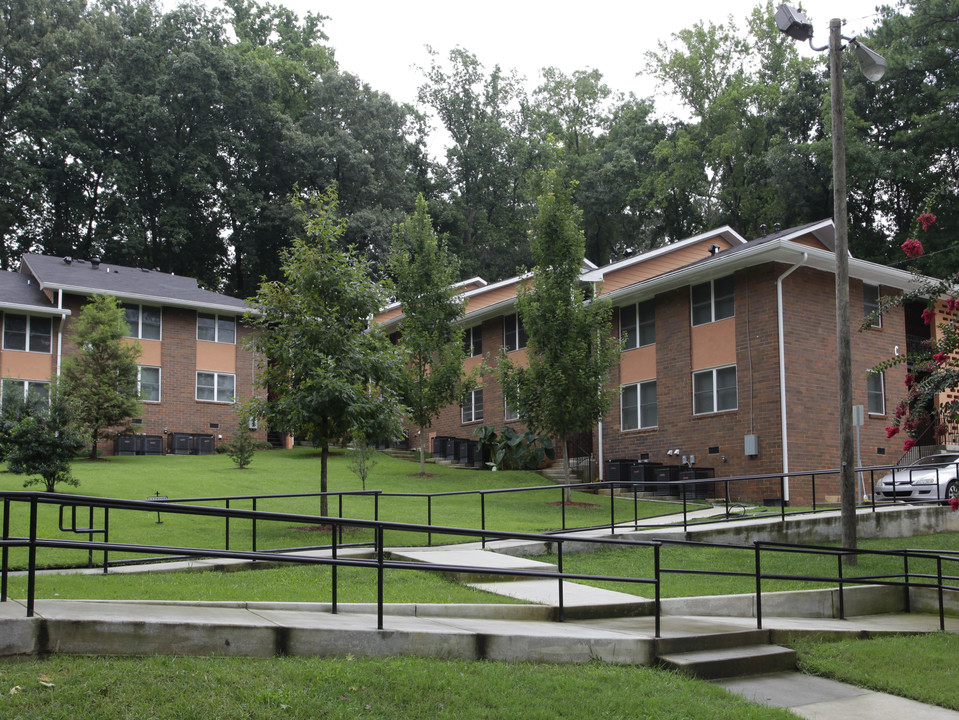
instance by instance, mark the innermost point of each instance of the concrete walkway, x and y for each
(601, 625)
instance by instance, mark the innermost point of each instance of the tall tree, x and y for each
(484, 178)
(101, 377)
(327, 371)
(562, 389)
(425, 273)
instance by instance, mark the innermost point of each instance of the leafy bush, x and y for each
(512, 450)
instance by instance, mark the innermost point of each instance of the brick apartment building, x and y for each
(730, 360)
(194, 362)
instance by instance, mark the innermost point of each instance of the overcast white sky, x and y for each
(383, 42)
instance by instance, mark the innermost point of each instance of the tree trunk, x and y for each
(324, 454)
(569, 492)
(422, 451)
(93, 446)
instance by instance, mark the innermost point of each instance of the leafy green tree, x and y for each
(562, 389)
(425, 274)
(327, 371)
(101, 376)
(41, 438)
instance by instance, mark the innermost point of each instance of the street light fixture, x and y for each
(793, 23)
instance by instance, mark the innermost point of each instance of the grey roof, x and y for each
(126, 283)
(20, 292)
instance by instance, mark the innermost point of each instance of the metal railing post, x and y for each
(429, 519)
(842, 605)
(905, 573)
(32, 558)
(5, 553)
(657, 576)
(942, 612)
(228, 526)
(683, 488)
(612, 509)
(759, 592)
(483, 519)
(106, 539)
(89, 536)
(813, 479)
(562, 504)
(379, 577)
(559, 568)
(254, 526)
(334, 569)
(782, 498)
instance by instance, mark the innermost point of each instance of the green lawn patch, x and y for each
(60, 687)
(919, 667)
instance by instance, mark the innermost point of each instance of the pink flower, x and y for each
(951, 305)
(909, 380)
(908, 445)
(912, 248)
(954, 504)
(926, 219)
(891, 430)
(928, 316)
(940, 358)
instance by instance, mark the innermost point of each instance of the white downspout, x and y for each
(782, 372)
(60, 331)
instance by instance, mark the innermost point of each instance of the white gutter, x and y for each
(782, 372)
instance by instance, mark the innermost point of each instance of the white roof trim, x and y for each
(35, 309)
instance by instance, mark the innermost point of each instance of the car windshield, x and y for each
(937, 460)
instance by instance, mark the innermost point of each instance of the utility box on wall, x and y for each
(751, 444)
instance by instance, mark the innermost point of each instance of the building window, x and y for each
(31, 333)
(472, 407)
(637, 324)
(714, 390)
(144, 321)
(473, 341)
(22, 389)
(870, 304)
(638, 406)
(509, 414)
(514, 334)
(713, 300)
(148, 383)
(875, 394)
(216, 328)
(216, 387)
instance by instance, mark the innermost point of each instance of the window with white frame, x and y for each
(514, 334)
(870, 304)
(31, 333)
(22, 389)
(637, 324)
(472, 407)
(714, 390)
(145, 321)
(638, 406)
(509, 414)
(216, 328)
(876, 394)
(713, 300)
(215, 386)
(148, 383)
(473, 341)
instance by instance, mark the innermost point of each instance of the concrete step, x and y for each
(730, 661)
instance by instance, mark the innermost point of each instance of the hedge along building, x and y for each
(194, 363)
(729, 359)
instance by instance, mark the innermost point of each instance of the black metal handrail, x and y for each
(379, 562)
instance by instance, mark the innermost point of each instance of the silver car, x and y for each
(931, 478)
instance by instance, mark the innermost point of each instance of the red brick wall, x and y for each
(178, 409)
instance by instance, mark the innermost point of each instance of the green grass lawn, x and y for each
(297, 471)
(387, 688)
(919, 667)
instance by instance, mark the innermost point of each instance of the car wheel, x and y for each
(952, 490)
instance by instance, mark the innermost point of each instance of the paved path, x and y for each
(495, 632)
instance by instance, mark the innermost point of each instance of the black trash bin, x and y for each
(203, 444)
(666, 477)
(181, 443)
(697, 491)
(618, 470)
(149, 444)
(645, 472)
(125, 445)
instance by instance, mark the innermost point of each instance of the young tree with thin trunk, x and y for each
(101, 378)
(562, 390)
(425, 273)
(327, 371)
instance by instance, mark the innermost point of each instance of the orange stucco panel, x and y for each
(810, 240)
(150, 351)
(218, 357)
(26, 365)
(637, 364)
(387, 315)
(662, 264)
(485, 299)
(713, 344)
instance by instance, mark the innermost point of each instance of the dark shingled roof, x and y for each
(19, 289)
(79, 276)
